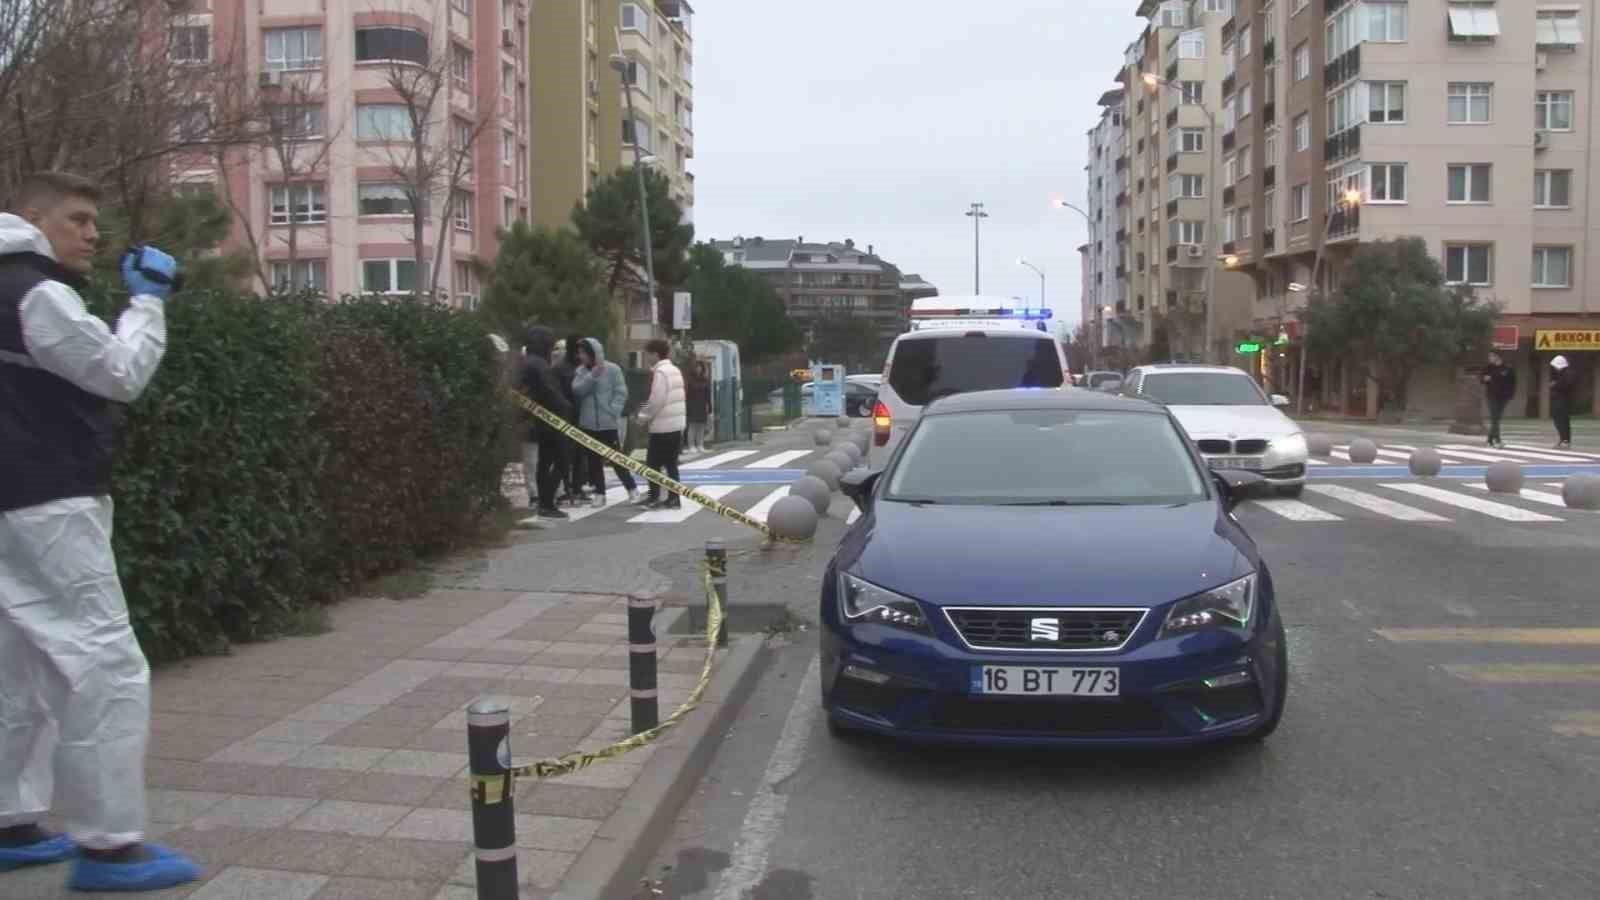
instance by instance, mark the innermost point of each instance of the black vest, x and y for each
(56, 439)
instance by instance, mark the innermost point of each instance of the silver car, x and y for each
(1233, 422)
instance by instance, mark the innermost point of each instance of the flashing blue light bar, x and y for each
(998, 312)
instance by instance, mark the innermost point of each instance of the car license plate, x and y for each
(1234, 462)
(1046, 680)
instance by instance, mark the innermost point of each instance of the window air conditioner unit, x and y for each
(1541, 140)
(1196, 251)
(507, 38)
(271, 80)
(1541, 60)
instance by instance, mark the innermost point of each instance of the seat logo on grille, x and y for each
(1045, 629)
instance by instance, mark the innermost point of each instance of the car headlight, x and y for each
(1293, 445)
(1228, 606)
(862, 601)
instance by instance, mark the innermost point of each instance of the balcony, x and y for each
(1172, 253)
(1229, 83)
(1140, 188)
(1228, 140)
(1269, 114)
(1345, 222)
(1332, 6)
(1139, 147)
(1122, 198)
(1172, 208)
(1345, 143)
(1230, 247)
(1122, 271)
(1269, 51)
(1229, 28)
(1172, 71)
(1227, 195)
(1269, 240)
(1269, 177)
(1172, 299)
(1172, 162)
(1122, 235)
(1342, 69)
(1172, 117)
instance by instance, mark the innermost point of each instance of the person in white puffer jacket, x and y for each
(664, 415)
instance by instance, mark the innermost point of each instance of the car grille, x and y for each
(1041, 628)
(1250, 448)
(1215, 446)
(1057, 716)
(1219, 447)
(1295, 470)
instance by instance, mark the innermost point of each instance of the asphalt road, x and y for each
(1454, 763)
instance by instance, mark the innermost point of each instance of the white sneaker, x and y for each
(599, 501)
(633, 495)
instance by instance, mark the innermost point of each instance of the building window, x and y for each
(639, 76)
(1300, 203)
(1192, 45)
(1242, 41)
(1244, 162)
(1229, 222)
(1468, 102)
(461, 138)
(1187, 186)
(1552, 267)
(1469, 183)
(1386, 102)
(383, 122)
(461, 210)
(302, 204)
(1243, 102)
(508, 148)
(1193, 140)
(636, 132)
(293, 48)
(464, 7)
(377, 198)
(1344, 110)
(1552, 188)
(461, 68)
(1186, 231)
(1230, 60)
(635, 18)
(194, 123)
(1173, 14)
(1469, 264)
(1387, 182)
(1558, 28)
(508, 79)
(1245, 223)
(466, 286)
(1302, 132)
(1342, 33)
(385, 44)
(1386, 22)
(302, 275)
(1299, 5)
(508, 211)
(1269, 203)
(1552, 111)
(388, 276)
(296, 121)
(191, 43)
(1271, 149)
(1302, 61)
(1194, 92)
(1473, 21)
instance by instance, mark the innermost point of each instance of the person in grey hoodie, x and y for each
(602, 392)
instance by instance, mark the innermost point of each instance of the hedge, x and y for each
(288, 449)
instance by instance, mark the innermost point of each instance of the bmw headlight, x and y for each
(1293, 446)
(862, 601)
(1228, 606)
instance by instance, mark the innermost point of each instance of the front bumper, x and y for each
(925, 690)
(1276, 469)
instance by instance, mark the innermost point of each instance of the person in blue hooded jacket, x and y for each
(602, 393)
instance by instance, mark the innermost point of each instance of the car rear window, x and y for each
(927, 368)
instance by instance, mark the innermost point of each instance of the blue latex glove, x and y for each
(151, 272)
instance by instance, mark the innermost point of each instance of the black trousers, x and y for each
(662, 455)
(595, 467)
(1497, 410)
(1561, 414)
(550, 460)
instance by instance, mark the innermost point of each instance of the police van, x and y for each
(957, 345)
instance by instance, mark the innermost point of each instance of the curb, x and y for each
(617, 856)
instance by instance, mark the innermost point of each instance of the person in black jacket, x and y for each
(1562, 381)
(565, 366)
(1499, 384)
(542, 454)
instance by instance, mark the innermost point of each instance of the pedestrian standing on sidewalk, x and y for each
(1499, 384)
(664, 417)
(565, 364)
(542, 452)
(1562, 382)
(602, 393)
(68, 654)
(697, 406)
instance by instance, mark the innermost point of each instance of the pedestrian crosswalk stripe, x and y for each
(1578, 723)
(1511, 454)
(689, 507)
(1528, 673)
(1371, 503)
(1501, 511)
(765, 504)
(1528, 494)
(1555, 637)
(1315, 462)
(1296, 511)
(711, 462)
(1564, 454)
(778, 460)
(1339, 454)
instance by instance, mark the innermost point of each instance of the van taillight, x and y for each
(881, 420)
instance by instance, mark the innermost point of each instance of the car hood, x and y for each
(1239, 421)
(1026, 556)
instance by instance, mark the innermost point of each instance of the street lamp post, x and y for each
(977, 215)
(1097, 337)
(1350, 199)
(1040, 273)
(1153, 81)
(619, 62)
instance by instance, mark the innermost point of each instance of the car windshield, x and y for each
(1046, 457)
(1099, 378)
(1203, 389)
(924, 369)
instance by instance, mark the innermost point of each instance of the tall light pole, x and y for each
(977, 215)
(1097, 329)
(619, 62)
(1040, 273)
(1154, 81)
(1350, 200)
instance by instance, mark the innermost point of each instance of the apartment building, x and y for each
(323, 198)
(1103, 304)
(1469, 124)
(1174, 126)
(579, 101)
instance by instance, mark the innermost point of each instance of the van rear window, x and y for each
(926, 368)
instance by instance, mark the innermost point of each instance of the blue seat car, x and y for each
(1051, 567)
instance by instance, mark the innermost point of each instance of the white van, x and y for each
(990, 349)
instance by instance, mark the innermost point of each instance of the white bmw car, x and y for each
(1233, 422)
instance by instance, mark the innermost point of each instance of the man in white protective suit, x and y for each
(68, 655)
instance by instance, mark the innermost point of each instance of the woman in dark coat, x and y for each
(1562, 383)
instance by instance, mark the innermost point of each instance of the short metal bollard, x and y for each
(494, 835)
(717, 565)
(642, 664)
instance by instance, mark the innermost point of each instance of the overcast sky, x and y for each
(883, 120)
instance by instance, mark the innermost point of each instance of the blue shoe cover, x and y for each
(166, 868)
(53, 850)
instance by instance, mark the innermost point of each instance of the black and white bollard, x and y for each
(494, 834)
(642, 664)
(717, 565)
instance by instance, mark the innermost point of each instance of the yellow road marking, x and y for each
(1528, 673)
(1583, 723)
(1548, 636)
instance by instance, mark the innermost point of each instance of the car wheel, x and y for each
(1292, 491)
(838, 730)
(1265, 729)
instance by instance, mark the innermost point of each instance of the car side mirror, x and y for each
(1238, 485)
(1280, 400)
(858, 486)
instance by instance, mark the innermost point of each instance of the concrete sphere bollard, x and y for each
(843, 460)
(1363, 451)
(827, 471)
(1426, 462)
(793, 518)
(1581, 492)
(814, 491)
(1319, 445)
(823, 436)
(1504, 477)
(863, 442)
(852, 449)
(842, 423)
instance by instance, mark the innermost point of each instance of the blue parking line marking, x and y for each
(741, 476)
(1375, 471)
